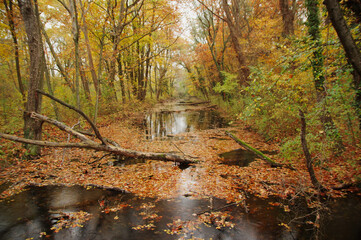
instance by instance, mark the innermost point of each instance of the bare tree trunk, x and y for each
(288, 16)
(317, 63)
(32, 127)
(234, 25)
(308, 157)
(85, 83)
(10, 16)
(353, 53)
(50, 88)
(90, 56)
(76, 35)
(121, 78)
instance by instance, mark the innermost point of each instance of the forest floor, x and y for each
(208, 177)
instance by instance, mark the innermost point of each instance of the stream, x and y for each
(58, 212)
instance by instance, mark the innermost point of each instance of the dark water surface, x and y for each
(38, 209)
(241, 157)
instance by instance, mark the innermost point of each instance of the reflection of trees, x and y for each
(161, 124)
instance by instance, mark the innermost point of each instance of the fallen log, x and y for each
(106, 145)
(105, 148)
(257, 152)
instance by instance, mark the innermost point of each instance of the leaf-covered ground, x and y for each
(166, 180)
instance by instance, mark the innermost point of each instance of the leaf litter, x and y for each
(165, 180)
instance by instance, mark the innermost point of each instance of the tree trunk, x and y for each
(85, 83)
(89, 52)
(50, 88)
(317, 62)
(76, 35)
(232, 20)
(10, 16)
(288, 16)
(308, 157)
(352, 51)
(32, 127)
(357, 86)
(121, 78)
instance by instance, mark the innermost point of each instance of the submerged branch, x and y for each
(259, 153)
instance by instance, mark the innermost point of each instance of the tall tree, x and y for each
(288, 10)
(236, 21)
(87, 43)
(317, 62)
(10, 16)
(352, 51)
(76, 36)
(32, 127)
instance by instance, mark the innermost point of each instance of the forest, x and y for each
(147, 98)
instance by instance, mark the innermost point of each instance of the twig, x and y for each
(99, 159)
(215, 210)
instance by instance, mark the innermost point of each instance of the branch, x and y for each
(211, 11)
(105, 148)
(260, 154)
(60, 125)
(96, 131)
(307, 154)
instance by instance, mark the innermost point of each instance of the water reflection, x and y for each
(162, 124)
(38, 209)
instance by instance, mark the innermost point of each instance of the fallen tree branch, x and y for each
(60, 125)
(106, 148)
(107, 140)
(96, 131)
(257, 152)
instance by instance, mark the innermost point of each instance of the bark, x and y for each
(353, 53)
(89, 52)
(357, 86)
(317, 63)
(33, 128)
(288, 16)
(76, 35)
(50, 88)
(259, 153)
(121, 78)
(85, 83)
(234, 24)
(339, 23)
(307, 154)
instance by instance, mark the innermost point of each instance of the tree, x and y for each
(317, 62)
(32, 127)
(236, 21)
(352, 51)
(288, 16)
(10, 16)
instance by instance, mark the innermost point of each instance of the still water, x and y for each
(37, 212)
(181, 117)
